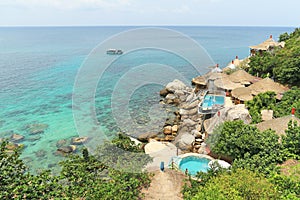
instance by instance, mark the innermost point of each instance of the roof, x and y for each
(266, 85)
(227, 84)
(199, 80)
(270, 42)
(241, 76)
(242, 93)
(279, 125)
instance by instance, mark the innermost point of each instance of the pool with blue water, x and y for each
(194, 164)
(210, 100)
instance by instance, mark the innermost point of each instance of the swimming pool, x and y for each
(194, 164)
(211, 100)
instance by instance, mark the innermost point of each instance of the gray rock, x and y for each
(179, 93)
(236, 112)
(185, 142)
(175, 85)
(170, 97)
(188, 122)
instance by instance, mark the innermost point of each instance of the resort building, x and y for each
(267, 45)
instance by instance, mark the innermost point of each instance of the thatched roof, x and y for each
(242, 93)
(215, 75)
(241, 76)
(200, 80)
(266, 85)
(267, 44)
(227, 84)
(279, 125)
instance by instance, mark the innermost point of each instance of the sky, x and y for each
(149, 12)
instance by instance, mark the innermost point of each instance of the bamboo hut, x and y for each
(266, 85)
(267, 45)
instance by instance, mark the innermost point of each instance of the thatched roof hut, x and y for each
(242, 77)
(242, 93)
(279, 125)
(266, 85)
(200, 80)
(226, 84)
(267, 45)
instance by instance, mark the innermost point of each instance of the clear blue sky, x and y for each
(149, 12)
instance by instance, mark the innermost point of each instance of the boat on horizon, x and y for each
(114, 52)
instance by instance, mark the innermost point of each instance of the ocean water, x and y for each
(38, 66)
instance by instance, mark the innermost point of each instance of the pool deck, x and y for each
(228, 102)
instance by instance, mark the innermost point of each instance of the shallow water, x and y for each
(38, 67)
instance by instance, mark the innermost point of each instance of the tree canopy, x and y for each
(283, 64)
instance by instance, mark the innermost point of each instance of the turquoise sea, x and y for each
(38, 66)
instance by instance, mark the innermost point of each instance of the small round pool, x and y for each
(194, 164)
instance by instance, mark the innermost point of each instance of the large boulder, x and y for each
(146, 136)
(185, 142)
(236, 112)
(175, 85)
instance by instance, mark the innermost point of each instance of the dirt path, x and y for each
(165, 185)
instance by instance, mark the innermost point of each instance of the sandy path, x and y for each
(165, 185)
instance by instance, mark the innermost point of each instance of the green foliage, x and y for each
(262, 65)
(235, 139)
(122, 154)
(288, 188)
(260, 102)
(283, 37)
(291, 141)
(82, 177)
(191, 189)
(238, 184)
(289, 100)
(16, 183)
(282, 64)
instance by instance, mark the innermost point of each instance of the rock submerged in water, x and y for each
(36, 128)
(65, 150)
(16, 137)
(79, 140)
(61, 143)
